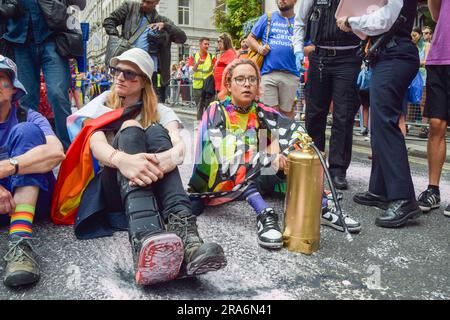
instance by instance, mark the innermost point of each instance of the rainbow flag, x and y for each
(79, 167)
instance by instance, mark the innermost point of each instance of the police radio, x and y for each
(369, 51)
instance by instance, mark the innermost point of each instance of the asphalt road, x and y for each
(408, 263)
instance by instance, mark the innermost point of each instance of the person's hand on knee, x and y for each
(138, 169)
(7, 203)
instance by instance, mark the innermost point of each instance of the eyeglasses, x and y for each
(252, 80)
(127, 74)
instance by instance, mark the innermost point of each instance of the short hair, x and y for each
(427, 27)
(417, 30)
(203, 39)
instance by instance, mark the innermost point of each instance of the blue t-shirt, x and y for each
(6, 127)
(143, 43)
(281, 55)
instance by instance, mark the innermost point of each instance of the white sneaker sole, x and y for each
(428, 209)
(160, 259)
(446, 213)
(270, 245)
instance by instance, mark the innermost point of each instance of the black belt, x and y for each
(334, 52)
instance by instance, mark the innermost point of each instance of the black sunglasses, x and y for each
(127, 74)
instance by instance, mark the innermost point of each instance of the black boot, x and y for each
(199, 257)
(157, 254)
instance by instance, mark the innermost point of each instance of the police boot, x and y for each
(157, 254)
(199, 257)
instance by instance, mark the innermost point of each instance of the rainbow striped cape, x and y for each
(224, 165)
(79, 167)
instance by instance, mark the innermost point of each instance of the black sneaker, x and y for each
(447, 211)
(429, 199)
(330, 218)
(269, 233)
(199, 257)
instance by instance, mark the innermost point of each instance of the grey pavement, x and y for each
(408, 263)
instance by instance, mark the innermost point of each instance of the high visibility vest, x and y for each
(204, 71)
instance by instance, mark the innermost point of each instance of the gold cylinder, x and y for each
(303, 203)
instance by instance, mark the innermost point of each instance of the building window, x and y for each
(184, 11)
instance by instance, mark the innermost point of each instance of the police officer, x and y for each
(332, 77)
(394, 67)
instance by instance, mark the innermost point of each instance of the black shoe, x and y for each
(199, 257)
(429, 199)
(340, 182)
(369, 199)
(269, 233)
(398, 214)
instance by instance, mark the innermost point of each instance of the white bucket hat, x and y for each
(139, 57)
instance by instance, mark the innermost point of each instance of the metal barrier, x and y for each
(417, 127)
(180, 94)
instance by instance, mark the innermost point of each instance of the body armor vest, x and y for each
(322, 29)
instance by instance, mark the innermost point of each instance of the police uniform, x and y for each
(394, 68)
(332, 77)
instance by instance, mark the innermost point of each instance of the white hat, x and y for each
(139, 57)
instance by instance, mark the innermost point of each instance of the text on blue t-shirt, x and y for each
(281, 55)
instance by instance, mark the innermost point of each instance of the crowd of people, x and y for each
(120, 150)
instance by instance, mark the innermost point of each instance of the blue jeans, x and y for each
(24, 137)
(30, 59)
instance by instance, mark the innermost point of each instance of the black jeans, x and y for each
(333, 79)
(168, 191)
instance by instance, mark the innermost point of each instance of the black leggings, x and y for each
(169, 192)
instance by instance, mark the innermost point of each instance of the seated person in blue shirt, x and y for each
(29, 150)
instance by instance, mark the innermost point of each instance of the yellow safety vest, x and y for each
(204, 71)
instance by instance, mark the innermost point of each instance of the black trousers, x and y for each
(169, 192)
(391, 76)
(333, 79)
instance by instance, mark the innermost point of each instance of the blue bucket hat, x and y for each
(9, 67)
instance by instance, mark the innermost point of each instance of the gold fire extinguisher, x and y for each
(303, 203)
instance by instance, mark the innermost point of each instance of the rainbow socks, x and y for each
(22, 221)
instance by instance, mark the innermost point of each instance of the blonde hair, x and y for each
(149, 103)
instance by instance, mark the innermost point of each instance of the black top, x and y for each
(322, 21)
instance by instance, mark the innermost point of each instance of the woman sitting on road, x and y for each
(138, 145)
(241, 152)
